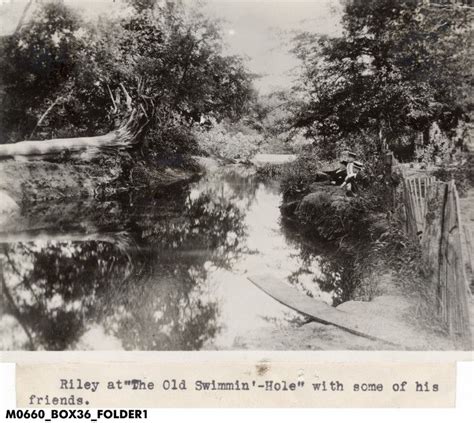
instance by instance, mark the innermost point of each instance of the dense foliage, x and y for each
(227, 140)
(62, 76)
(397, 67)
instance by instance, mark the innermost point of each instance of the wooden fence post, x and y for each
(443, 260)
(431, 241)
(457, 288)
(410, 211)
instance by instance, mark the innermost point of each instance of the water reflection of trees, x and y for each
(148, 290)
(243, 187)
(52, 286)
(336, 273)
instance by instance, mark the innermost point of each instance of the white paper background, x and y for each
(464, 411)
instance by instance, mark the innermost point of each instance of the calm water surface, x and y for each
(162, 271)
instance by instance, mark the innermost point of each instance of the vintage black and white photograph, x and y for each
(258, 175)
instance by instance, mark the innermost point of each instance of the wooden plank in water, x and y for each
(318, 310)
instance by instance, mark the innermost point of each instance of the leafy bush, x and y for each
(463, 175)
(231, 141)
(439, 150)
(170, 141)
(302, 173)
(272, 170)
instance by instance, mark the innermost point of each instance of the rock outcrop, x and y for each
(327, 210)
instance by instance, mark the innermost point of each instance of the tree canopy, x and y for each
(397, 67)
(61, 76)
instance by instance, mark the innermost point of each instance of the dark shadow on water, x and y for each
(337, 267)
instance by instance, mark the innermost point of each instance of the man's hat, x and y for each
(347, 156)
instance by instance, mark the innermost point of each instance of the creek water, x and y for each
(158, 271)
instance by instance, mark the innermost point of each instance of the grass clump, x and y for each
(297, 177)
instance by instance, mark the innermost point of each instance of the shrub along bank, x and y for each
(365, 229)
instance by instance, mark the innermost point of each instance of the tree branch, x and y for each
(43, 116)
(23, 16)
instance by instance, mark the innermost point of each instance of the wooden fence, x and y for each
(432, 217)
(415, 194)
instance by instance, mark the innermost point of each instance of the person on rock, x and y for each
(346, 176)
(349, 181)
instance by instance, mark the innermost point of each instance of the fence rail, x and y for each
(432, 217)
(415, 194)
(420, 187)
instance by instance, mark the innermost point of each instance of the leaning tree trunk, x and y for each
(129, 133)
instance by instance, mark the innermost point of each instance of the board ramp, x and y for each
(371, 324)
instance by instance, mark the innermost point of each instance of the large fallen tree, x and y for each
(128, 134)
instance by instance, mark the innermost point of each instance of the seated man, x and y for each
(345, 176)
(352, 169)
(338, 176)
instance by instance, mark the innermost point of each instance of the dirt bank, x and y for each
(27, 182)
(23, 183)
(394, 316)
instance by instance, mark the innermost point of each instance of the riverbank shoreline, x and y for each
(24, 183)
(28, 182)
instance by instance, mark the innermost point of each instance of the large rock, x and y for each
(327, 211)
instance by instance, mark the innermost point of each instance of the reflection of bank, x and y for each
(328, 267)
